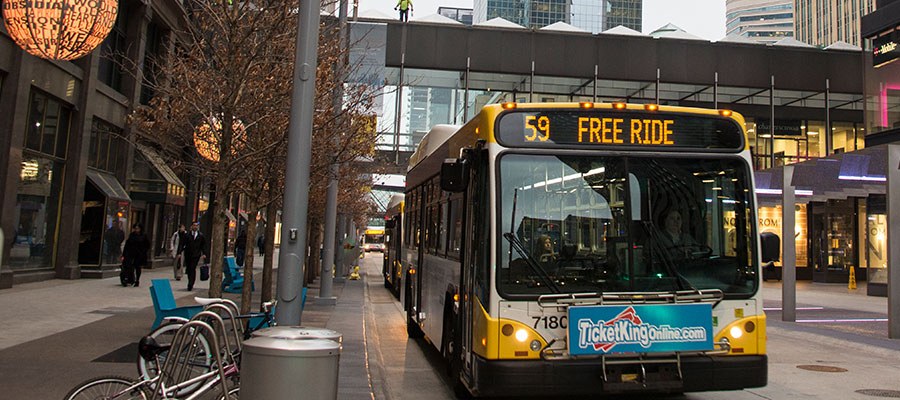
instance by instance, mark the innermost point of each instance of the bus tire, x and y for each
(413, 330)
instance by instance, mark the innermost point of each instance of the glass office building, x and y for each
(823, 22)
(590, 15)
(762, 21)
(627, 13)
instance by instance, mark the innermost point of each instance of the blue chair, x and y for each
(233, 282)
(164, 303)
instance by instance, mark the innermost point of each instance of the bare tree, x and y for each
(221, 108)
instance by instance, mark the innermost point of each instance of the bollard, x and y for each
(852, 284)
(277, 368)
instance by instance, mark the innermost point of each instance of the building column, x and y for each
(893, 240)
(15, 92)
(75, 173)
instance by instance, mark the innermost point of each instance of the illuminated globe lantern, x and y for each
(59, 29)
(208, 134)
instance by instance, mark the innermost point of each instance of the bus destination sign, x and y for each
(610, 129)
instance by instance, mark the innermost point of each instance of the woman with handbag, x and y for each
(176, 250)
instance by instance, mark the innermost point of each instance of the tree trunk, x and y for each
(246, 293)
(268, 276)
(312, 259)
(217, 239)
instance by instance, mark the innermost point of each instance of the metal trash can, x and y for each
(277, 368)
(298, 333)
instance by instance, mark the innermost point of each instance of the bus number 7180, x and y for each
(551, 322)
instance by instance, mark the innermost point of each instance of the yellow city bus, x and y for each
(373, 239)
(586, 248)
(392, 269)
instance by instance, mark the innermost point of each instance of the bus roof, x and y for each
(396, 200)
(431, 142)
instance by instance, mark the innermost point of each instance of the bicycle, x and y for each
(199, 361)
(170, 382)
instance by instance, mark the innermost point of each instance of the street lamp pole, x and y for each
(328, 266)
(296, 185)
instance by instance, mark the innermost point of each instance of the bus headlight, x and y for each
(736, 332)
(521, 335)
(535, 345)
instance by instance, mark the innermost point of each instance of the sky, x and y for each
(703, 18)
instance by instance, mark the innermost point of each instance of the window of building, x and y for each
(40, 182)
(113, 53)
(107, 146)
(153, 54)
(48, 126)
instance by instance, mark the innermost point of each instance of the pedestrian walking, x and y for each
(261, 244)
(175, 249)
(240, 247)
(114, 237)
(193, 249)
(405, 6)
(134, 256)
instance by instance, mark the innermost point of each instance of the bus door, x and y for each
(475, 249)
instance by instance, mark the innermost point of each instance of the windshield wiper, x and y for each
(682, 282)
(537, 268)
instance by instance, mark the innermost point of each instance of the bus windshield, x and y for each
(374, 238)
(583, 224)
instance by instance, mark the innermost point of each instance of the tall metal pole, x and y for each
(789, 249)
(296, 187)
(656, 95)
(771, 124)
(829, 134)
(716, 91)
(331, 197)
(466, 97)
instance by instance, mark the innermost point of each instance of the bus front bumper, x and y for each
(585, 377)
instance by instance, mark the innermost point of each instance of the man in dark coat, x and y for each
(135, 255)
(193, 249)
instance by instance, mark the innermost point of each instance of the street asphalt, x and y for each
(58, 333)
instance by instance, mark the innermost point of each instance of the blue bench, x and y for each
(164, 303)
(233, 281)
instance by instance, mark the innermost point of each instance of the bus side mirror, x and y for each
(454, 175)
(771, 247)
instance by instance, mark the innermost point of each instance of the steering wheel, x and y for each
(691, 251)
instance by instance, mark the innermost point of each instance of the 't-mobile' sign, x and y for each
(597, 330)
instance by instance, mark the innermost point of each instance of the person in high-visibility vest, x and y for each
(405, 6)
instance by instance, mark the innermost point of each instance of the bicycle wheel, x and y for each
(199, 357)
(233, 394)
(107, 387)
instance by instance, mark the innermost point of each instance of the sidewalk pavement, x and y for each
(59, 333)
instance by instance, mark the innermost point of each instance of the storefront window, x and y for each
(799, 140)
(37, 208)
(770, 220)
(876, 240)
(833, 240)
(40, 182)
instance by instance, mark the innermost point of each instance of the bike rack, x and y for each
(175, 371)
(237, 328)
